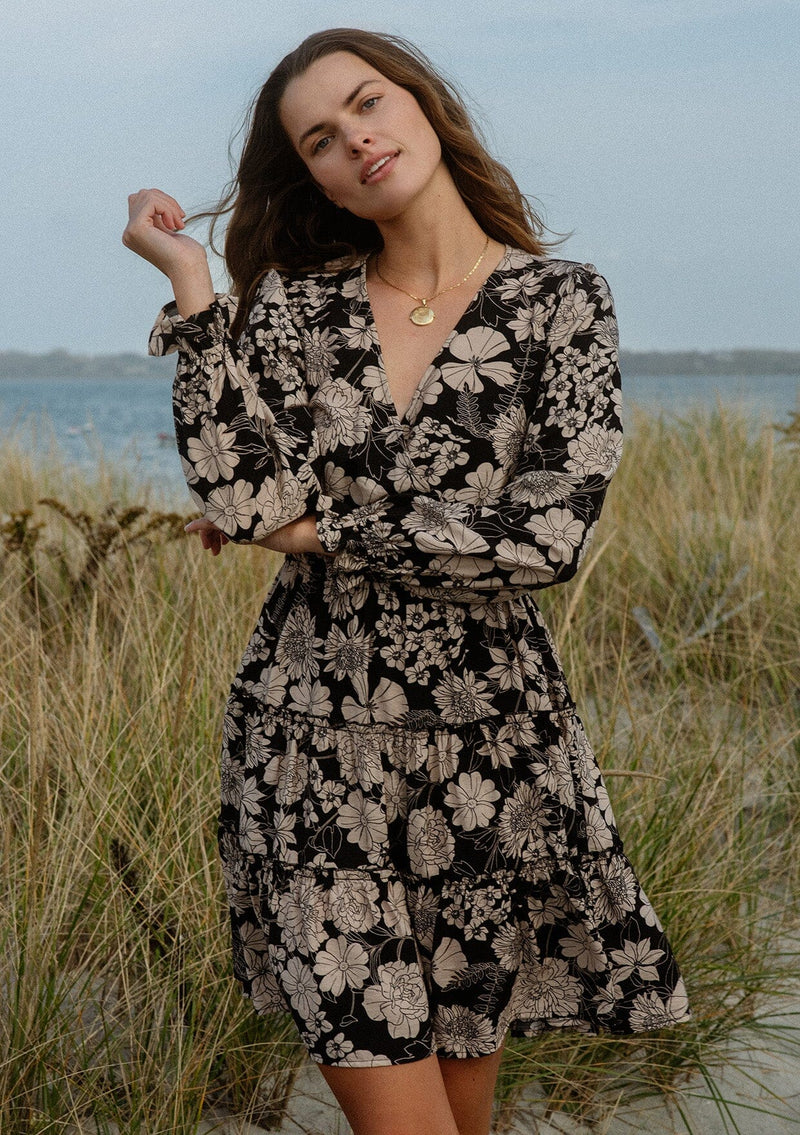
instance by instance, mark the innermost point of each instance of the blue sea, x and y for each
(128, 422)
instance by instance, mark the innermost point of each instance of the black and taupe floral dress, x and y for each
(418, 847)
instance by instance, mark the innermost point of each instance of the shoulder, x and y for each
(308, 293)
(553, 272)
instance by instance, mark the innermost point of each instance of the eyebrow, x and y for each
(321, 125)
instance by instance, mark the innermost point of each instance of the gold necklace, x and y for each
(424, 313)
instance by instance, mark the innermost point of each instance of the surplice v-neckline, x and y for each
(411, 410)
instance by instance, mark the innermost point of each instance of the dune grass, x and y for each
(117, 643)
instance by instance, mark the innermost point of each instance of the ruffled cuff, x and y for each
(195, 334)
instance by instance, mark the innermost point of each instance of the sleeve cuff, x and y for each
(196, 333)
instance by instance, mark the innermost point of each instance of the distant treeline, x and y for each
(62, 364)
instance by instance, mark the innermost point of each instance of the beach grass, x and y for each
(118, 639)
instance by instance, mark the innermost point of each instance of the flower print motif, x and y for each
(540, 487)
(574, 314)
(353, 903)
(348, 653)
(596, 450)
(231, 507)
(252, 799)
(463, 1032)
(649, 1011)
(311, 698)
(448, 962)
(230, 775)
(300, 987)
(463, 698)
(395, 795)
(277, 503)
(506, 671)
(599, 836)
(483, 485)
(567, 419)
(530, 322)
(530, 566)
(336, 480)
(609, 997)
(560, 531)
(553, 773)
(297, 647)
(387, 704)
(522, 821)
(395, 909)
(300, 915)
(339, 1048)
(358, 334)
(408, 475)
(513, 944)
(638, 958)
(585, 948)
(318, 349)
(341, 964)
(363, 820)
(340, 418)
(508, 436)
(191, 477)
(252, 835)
(359, 758)
(443, 757)
(423, 906)
(430, 843)
(477, 350)
(471, 801)
(498, 748)
(399, 998)
(616, 890)
(548, 990)
(330, 795)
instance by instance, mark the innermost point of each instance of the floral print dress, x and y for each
(417, 844)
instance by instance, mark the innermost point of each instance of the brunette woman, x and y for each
(420, 407)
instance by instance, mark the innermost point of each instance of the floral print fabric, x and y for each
(417, 844)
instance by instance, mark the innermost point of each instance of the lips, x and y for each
(373, 168)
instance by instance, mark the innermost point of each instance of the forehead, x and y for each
(322, 89)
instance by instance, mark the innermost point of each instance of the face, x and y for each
(365, 140)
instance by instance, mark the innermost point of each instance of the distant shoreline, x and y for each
(62, 364)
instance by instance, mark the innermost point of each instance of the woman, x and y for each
(421, 409)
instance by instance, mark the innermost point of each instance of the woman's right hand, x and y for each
(153, 232)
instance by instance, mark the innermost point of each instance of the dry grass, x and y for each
(680, 637)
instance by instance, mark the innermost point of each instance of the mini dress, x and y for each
(417, 844)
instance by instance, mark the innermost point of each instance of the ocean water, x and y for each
(129, 421)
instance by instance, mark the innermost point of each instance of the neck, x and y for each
(428, 245)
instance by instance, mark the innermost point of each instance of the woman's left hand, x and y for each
(212, 538)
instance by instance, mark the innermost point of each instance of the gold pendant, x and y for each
(422, 315)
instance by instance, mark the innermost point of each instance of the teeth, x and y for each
(374, 168)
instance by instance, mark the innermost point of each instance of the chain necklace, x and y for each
(424, 313)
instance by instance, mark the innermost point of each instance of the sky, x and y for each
(662, 135)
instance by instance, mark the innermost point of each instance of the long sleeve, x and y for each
(529, 528)
(242, 422)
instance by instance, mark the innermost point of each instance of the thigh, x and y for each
(470, 1083)
(401, 1099)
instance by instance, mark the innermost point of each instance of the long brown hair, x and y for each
(281, 220)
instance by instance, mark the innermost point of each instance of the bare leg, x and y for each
(470, 1084)
(403, 1099)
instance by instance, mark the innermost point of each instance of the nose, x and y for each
(358, 143)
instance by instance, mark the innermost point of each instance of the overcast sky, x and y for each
(663, 134)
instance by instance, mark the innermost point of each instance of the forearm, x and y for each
(194, 291)
(296, 538)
